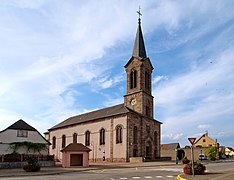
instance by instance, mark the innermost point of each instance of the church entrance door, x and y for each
(148, 150)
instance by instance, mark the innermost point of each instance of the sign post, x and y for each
(192, 141)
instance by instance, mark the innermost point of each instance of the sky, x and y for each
(63, 58)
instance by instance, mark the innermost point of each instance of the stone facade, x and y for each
(146, 141)
(140, 93)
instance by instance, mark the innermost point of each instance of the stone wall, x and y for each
(6, 165)
(187, 152)
(145, 136)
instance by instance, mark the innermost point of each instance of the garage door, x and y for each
(76, 159)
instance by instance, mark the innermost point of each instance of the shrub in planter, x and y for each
(198, 168)
(185, 160)
(32, 165)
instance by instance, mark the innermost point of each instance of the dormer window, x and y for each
(133, 79)
(22, 133)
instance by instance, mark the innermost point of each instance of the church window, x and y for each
(147, 80)
(118, 134)
(102, 136)
(133, 79)
(63, 141)
(135, 135)
(204, 140)
(75, 138)
(147, 110)
(87, 138)
(155, 137)
(54, 142)
(147, 128)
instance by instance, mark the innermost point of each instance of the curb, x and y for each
(180, 178)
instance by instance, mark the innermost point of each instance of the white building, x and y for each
(20, 131)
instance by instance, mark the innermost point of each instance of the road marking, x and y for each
(136, 177)
(159, 177)
(170, 176)
(166, 169)
(147, 177)
(123, 178)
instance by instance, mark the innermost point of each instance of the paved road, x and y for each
(143, 173)
(215, 171)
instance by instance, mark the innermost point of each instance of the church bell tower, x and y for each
(139, 78)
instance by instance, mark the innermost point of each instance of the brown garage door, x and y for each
(76, 159)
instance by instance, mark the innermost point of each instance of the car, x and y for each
(202, 156)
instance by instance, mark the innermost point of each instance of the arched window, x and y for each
(54, 142)
(147, 110)
(155, 137)
(147, 80)
(135, 135)
(63, 141)
(102, 136)
(75, 138)
(118, 134)
(87, 138)
(133, 79)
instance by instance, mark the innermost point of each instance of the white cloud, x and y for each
(173, 136)
(204, 126)
(157, 79)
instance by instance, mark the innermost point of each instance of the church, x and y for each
(120, 132)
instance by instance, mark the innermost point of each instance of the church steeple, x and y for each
(139, 46)
(139, 78)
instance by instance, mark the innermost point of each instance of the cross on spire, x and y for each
(139, 13)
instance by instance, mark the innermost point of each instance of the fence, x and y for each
(24, 157)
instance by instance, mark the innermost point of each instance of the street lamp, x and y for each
(201, 156)
(104, 155)
(176, 150)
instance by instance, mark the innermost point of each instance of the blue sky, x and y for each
(63, 58)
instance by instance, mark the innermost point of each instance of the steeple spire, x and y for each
(139, 46)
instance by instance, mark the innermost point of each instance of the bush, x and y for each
(32, 168)
(198, 168)
(32, 165)
(185, 160)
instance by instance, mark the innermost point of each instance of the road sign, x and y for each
(192, 140)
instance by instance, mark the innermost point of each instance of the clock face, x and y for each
(133, 101)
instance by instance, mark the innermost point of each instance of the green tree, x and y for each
(211, 153)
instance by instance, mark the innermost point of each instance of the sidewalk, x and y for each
(16, 172)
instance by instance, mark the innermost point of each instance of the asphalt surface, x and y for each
(147, 170)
